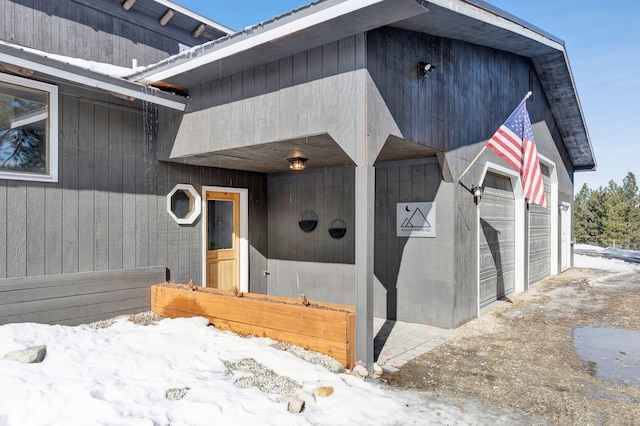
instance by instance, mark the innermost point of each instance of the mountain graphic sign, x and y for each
(416, 220)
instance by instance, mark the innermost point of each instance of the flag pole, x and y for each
(529, 93)
(472, 162)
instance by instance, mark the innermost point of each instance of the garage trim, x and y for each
(555, 206)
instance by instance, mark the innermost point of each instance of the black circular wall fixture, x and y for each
(308, 221)
(338, 228)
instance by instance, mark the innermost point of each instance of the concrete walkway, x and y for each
(396, 342)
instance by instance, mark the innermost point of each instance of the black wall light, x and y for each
(477, 193)
(424, 68)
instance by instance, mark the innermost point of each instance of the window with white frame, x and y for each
(28, 129)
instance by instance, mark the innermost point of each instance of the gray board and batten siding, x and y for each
(312, 263)
(84, 29)
(100, 217)
(108, 212)
(73, 299)
(315, 92)
(180, 247)
(106, 215)
(454, 111)
(413, 276)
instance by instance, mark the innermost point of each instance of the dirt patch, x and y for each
(520, 356)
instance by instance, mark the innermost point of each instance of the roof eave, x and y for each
(494, 28)
(489, 26)
(203, 19)
(78, 76)
(270, 33)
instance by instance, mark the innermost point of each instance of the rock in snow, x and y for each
(323, 392)
(360, 371)
(32, 355)
(294, 404)
(175, 394)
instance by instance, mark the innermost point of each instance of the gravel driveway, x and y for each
(520, 360)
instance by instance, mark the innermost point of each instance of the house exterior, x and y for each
(179, 169)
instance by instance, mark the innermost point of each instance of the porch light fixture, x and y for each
(424, 68)
(477, 193)
(297, 163)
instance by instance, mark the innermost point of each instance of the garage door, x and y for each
(540, 234)
(497, 239)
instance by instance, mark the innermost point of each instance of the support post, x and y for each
(364, 219)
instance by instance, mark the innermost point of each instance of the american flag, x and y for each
(514, 143)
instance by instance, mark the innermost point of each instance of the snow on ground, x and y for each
(608, 259)
(120, 375)
(608, 252)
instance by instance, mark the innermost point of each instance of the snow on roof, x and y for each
(97, 67)
(97, 75)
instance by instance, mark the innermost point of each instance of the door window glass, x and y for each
(220, 224)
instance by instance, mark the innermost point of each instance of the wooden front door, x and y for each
(223, 240)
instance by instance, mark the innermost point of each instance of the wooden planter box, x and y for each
(321, 327)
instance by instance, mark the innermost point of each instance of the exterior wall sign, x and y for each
(416, 220)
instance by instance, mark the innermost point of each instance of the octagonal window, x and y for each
(183, 204)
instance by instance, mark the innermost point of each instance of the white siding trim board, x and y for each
(554, 205)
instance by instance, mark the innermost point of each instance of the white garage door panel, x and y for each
(497, 239)
(540, 235)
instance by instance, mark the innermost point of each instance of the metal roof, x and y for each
(324, 21)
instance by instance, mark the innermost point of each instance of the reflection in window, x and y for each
(28, 149)
(181, 204)
(23, 124)
(219, 224)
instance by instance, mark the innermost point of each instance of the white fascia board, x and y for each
(194, 15)
(267, 36)
(91, 82)
(480, 14)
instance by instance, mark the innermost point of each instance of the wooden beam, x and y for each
(167, 17)
(121, 96)
(166, 87)
(25, 72)
(127, 4)
(198, 31)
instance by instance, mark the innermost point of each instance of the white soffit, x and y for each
(493, 18)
